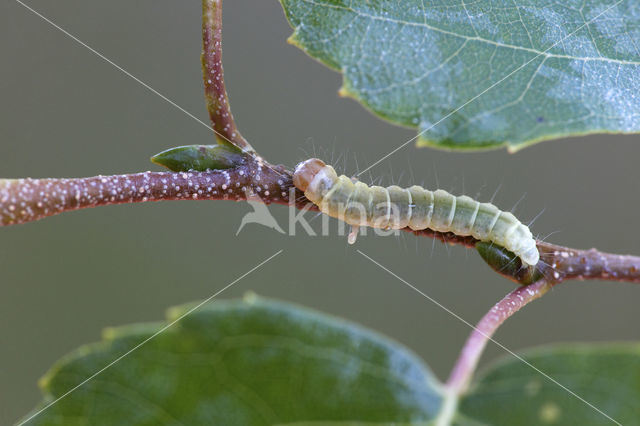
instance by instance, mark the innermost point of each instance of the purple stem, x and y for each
(564, 263)
(462, 372)
(213, 74)
(26, 200)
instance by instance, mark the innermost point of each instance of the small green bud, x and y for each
(200, 157)
(507, 264)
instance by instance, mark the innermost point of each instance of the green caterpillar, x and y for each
(417, 208)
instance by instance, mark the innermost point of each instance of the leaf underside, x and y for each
(260, 362)
(503, 73)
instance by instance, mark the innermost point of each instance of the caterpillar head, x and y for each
(314, 178)
(306, 171)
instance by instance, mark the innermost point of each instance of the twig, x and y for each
(465, 366)
(563, 264)
(558, 264)
(27, 200)
(462, 372)
(213, 74)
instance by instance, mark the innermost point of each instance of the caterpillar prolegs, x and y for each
(415, 207)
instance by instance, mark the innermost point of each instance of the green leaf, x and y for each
(261, 362)
(251, 362)
(605, 375)
(530, 71)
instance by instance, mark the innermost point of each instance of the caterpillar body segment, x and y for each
(415, 207)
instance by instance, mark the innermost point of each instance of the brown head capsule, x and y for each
(306, 171)
(315, 179)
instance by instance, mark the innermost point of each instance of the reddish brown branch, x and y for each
(213, 75)
(26, 200)
(564, 263)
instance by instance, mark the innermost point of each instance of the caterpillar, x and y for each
(393, 207)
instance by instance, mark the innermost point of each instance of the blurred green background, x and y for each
(66, 113)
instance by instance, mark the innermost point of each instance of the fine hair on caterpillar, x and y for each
(393, 207)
